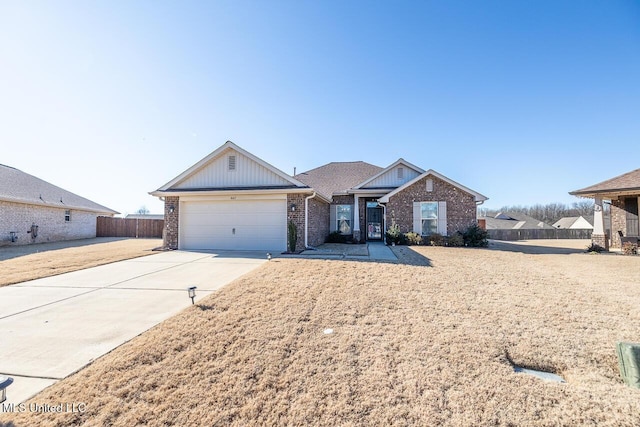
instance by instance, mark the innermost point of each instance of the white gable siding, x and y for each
(390, 178)
(247, 173)
(582, 224)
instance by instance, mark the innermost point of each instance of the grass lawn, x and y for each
(429, 343)
(29, 262)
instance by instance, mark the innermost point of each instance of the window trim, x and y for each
(67, 215)
(435, 220)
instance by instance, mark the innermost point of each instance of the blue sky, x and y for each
(521, 101)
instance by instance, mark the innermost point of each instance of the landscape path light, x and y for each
(192, 293)
(4, 383)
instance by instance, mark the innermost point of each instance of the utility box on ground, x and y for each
(629, 362)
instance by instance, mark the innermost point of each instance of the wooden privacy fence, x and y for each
(129, 227)
(564, 233)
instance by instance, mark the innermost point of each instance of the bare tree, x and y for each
(143, 210)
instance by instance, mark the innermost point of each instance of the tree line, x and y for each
(549, 213)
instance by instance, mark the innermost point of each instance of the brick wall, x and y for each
(297, 217)
(618, 221)
(318, 222)
(171, 222)
(461, 206)
(50, 221)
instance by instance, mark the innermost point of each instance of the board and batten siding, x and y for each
(246, 173)
(393, 178)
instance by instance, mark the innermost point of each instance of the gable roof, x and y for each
(20, 187)
(479, 198)
(514, 221)
(392, 166)
(283, 180)
(626, 183)
(337, 177)
(575, 222)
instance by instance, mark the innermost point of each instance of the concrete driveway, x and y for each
(51, 327)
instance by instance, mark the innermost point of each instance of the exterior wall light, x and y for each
(171, 209)
(293, 207)
(192, 293)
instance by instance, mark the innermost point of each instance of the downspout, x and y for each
(306, 220)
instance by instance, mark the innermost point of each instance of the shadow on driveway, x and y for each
(9, 252)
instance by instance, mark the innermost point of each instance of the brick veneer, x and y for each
(618, 221)
(52, 227)
(318, 222)
(461, 206)
(297, 217)
(171, 222)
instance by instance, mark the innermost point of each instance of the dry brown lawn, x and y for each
(22, 263)
(424, 344)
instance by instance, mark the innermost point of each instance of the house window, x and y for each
(429, 217)
(400, 173)
(232, 163)
(343, 219)
(67, 216)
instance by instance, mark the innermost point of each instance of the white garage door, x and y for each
(234, 225)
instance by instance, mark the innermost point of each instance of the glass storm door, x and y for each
(374, 221)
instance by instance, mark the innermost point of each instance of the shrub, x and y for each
(629, 248)
(336, 237)
(475, 237)
(456, 240)
(436, 239)
(413, 238)
(292, 234)
(394, 235)
(595, 248)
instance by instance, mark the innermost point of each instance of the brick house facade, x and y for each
(233, 200)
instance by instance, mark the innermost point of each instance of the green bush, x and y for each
(435, 239)
(292, 234)
(475, 237)
(336, 237)
(456, 240)
(413, 238)
(394, 235)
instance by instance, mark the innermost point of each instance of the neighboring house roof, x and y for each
(478, 197)
(627, 183)
(20, 187)
(514, 221)
(573, 222)
(145, 216)
(337, 177)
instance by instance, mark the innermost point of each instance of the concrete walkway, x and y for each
(371, 251)
(54, 326)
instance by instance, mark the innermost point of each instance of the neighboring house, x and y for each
(573, 223)
(231, 199)
(34, 211)
(623, 192)
(515, 221)
(144, 216)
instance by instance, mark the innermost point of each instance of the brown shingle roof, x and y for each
(337, 177)
(17, 186)
(626, 182)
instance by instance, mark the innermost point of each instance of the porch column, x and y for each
(356, 218)
(598, 237)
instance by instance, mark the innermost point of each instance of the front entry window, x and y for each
(343, 218)
(429, 216)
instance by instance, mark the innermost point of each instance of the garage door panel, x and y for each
(239, 225)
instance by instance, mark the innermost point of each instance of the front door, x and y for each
(374, 221)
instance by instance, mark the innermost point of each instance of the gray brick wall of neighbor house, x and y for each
(618, 222)
(461, 206)
(171, 222)
(297, 217)
(52, 227)
(318, 222)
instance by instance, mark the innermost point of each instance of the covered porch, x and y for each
(623, 194)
